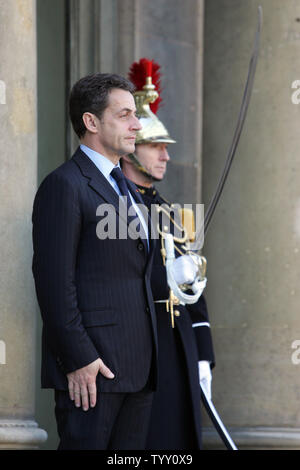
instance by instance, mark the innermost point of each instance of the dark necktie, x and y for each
(120, 179)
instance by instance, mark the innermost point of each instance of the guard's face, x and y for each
(154, 158)
(118, 126)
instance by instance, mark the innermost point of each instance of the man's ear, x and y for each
(90, 122)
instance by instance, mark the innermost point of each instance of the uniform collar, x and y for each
(148, 192)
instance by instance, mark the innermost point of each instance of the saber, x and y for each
(239, 126)
(217, 422)
(238, 130)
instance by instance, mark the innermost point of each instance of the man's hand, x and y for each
(82, 383)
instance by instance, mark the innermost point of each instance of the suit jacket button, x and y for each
(147, 310)
(140, 246)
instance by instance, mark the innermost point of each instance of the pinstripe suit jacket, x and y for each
(94, 295)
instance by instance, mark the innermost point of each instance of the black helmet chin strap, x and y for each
(141, 168)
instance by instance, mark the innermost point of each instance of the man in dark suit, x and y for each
(99, 342)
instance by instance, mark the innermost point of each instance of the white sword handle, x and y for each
(197, 287)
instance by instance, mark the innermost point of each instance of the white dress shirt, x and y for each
(106, 166)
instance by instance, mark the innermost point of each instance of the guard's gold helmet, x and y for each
(145, 76)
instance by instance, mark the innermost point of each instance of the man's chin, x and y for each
(130, 148)
(157, 177)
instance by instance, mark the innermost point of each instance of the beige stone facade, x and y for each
(252, 246)
(18, 137)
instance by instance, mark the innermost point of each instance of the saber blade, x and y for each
(217, 422)
(240, 123)
(236, 137)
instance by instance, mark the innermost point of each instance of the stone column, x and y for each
(18, 174)
(253, 245)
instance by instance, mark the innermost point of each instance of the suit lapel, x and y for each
(96, 180)
(138, 198)
(100, 184)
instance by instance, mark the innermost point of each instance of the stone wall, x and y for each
(253, 245)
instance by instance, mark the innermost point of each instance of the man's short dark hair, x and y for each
(90, 94)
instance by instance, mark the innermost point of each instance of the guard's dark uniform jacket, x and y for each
(176, 414)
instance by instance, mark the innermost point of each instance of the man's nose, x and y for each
(136, 125)
(164, 155)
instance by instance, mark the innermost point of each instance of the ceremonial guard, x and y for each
(184, 336)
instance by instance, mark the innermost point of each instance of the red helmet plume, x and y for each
(138, 73)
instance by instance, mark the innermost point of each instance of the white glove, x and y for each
(184, 270)
(205, 377)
